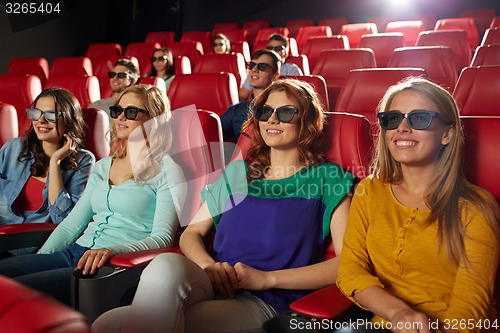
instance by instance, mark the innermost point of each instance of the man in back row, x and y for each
(280, 45)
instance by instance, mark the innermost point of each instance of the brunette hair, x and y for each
(67, 107)
(311, 118)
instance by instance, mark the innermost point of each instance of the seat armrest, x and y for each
(324, 303)
(16, 236)
(140, 258)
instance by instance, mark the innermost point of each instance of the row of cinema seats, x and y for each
(349, 143)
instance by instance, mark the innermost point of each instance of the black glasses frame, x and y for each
(121, 75)
(35, 114)
(284, 114)
(162, 58)
(275, 48)
(218, 44)
(261, 66)
(397, 119)
(130, 112)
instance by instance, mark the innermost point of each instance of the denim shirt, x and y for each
(14, 175)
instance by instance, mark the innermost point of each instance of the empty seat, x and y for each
(364, 88)
(486, 55)
(199, 36)
(409, 29)
(84, 88)
(158, 82)
(335, 65)
(101, 69)
(491, 36)
(20, 91)
(32, 66)
(356, 30)
(295, 25)
(477, 90)
(315, 45)
(307, 32)
(96, 132)
(98, 51)
(215, 63)
(191, 50)
(495, 23)
(70, 66)
(182, 65)
(335, 23)
(467, 24)
(252, 27)
(301, 61)
(429, 19)
(9, 128)
(221, 27)
(381, 21)
(243, 48)
(238, 35)
(436, 60)
(143, 53)
(264, 34)
(164, 38)
(482, 16)
(207, 91)
(455, 39)
(317, 82)
(382, 45)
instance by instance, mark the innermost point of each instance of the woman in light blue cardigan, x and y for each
(130, 202)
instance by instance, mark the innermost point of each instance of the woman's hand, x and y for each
(410, 321)
(93, 259)
(223, 278)
(68, 147)
(253, 279)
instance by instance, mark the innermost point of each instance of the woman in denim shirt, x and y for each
(43, 175)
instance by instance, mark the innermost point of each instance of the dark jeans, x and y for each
(48, 273)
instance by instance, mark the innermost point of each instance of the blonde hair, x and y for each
(155, 132)
(448, 189)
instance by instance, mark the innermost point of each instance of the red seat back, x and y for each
(221, 27)
(191, 50)
(307, 32)
(101, 69)
(215, 63)
(164, 38)
(31, 66)
(356, 30)
(364, 88)
(467, 24)
(182, 65)
(154, 81)
(203, 37)
(455, 39)
(486, 55)
(483, 17)
(252, 27)
(243, 48)
(429, 19)
(294, 26)
(9, 127)
(477, 90)
(84, 88)
(238, 35)
(96, 132)
(20, 91)
(215, 92)
(491, 36)
(97, 51)
(495, 23)
(264, 34)
(335, 65)
(318, 83)
(301, 61)
(409, 29)
(70, 66)
(381, 21)
(315, 45)
(143, 52)
(335, 23)
(437, 61)
(382, 45)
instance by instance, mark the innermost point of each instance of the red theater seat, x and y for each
(335, 23)
(20, 91)
(455, 39)
(203, 37)
(295, 25)
(191, 50)
(486, 55)
(495, 23)
(335, 65)
(158, 82)
(429, 19)
(483, 17)
(467, 24)
(143, 53)
(84, 88)
(243, 48)
(381, 21)
(409, 29)
(307, 32)
(9, 128)
(317, 82)
(382, 45)
(252, 27)
(215, 63)
(31, 66)
(238, 35)
(98, 51)
(356, 30)
(315, 45)
(207, 91)
(164, 38)
(491, 36)
(70, 66)
(221, 27)
(437, 61)
(301, 61)
(182, 65)
(264, 34)
(477, 90)
(96, 132)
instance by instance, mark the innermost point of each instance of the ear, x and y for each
(447, 135)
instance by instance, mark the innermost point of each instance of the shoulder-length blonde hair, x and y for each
(158, 138)
(448, 185)
(311, 118)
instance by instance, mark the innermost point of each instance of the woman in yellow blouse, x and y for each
(421, 244)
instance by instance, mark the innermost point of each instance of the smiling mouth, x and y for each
(274, 131)
(44, 129)
(405, 143)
